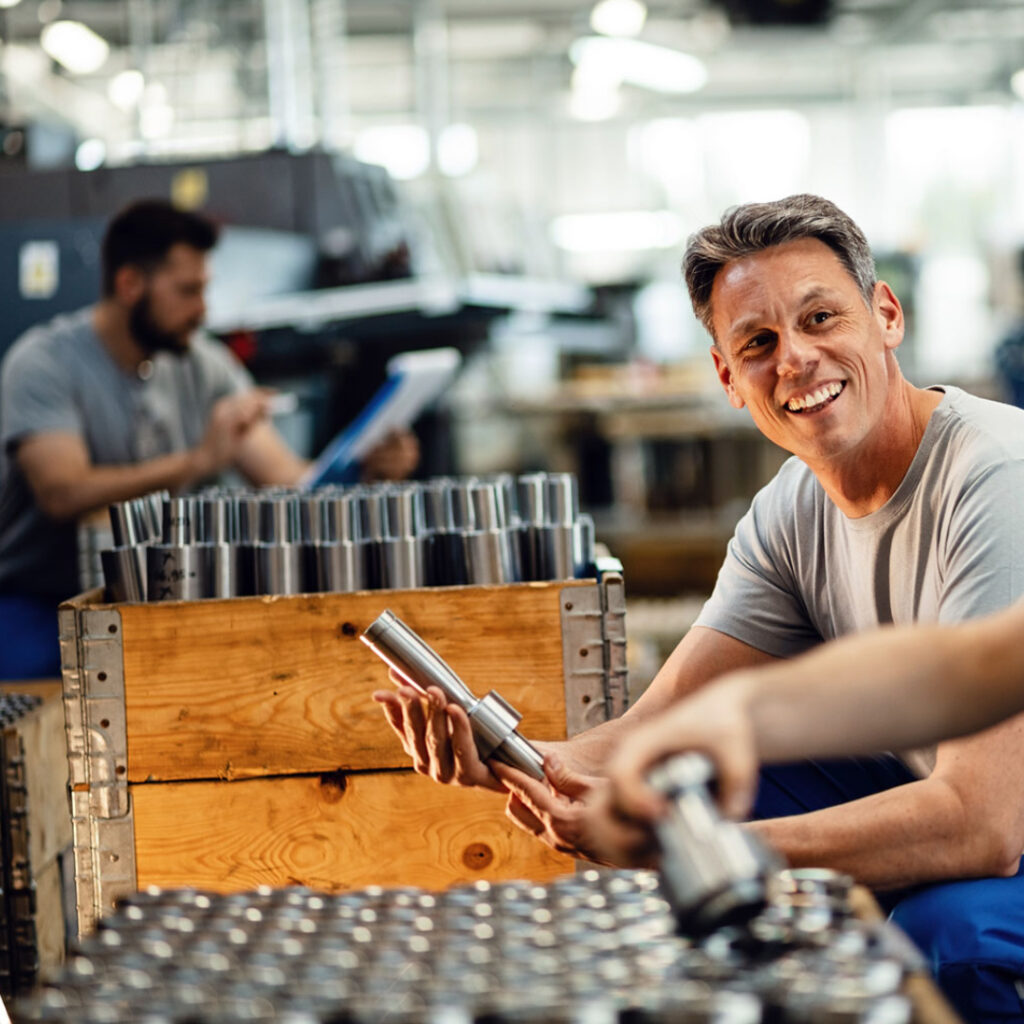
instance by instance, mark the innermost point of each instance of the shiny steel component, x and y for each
(277, 558)
(493, 719)
(122, 574)
(404, 551)
(177, 569)
(341, 554)
(490, 552)
(715, 873)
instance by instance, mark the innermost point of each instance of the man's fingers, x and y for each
(437, 737)
(737, 782)
(468, 769)
(573, 784)
(523, 816)
(416, 730)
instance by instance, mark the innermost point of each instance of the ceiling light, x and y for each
(457, 150)
(74, 46)
(618, 17)
(403, 149)
(9, 3)
(90, 154)
(629, 60)
(621, 231)
(126, 88)
(1017, 84)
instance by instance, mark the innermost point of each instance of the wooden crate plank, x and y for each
(265, 686)
(331, 833)
(50, 928)
(46, 771)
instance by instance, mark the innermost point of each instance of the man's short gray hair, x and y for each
(745, 230)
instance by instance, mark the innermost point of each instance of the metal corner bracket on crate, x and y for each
(594, 652)
(94, 716)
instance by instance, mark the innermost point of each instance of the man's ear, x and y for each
(890, 315)
(129, 284)
(725, 376)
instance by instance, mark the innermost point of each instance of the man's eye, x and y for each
(758, 341)
(820, 317)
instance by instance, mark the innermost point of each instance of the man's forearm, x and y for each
(102, 485)
(916, 833)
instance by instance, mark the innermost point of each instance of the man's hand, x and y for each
(436, 735)
(394, 458)
(231, 420)
(715, 721)
(554, 810)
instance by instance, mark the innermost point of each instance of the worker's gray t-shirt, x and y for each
(947, 546)
(59, 377)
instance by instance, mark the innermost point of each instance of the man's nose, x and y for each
(796, 353)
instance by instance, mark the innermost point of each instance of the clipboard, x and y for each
(415, 380)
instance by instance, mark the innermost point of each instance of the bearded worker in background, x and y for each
(898, 507)
(119, 399)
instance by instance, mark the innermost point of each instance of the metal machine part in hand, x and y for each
(494, 720)
(714, 872)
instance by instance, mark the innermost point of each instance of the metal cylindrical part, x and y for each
(177, 572)
(404, 563)
(489, 557)
(248, 516)
(277, 568)
(122, 574)
(123, 524)
(585, 542)
(560, 551)
(405, 511)
(177, 521)
(226, 574)
(714, 873)
(340, 566)
(532, 491)
(563, 498)
(493, 719)
(488, 508)
(279, 519)
(218, 515)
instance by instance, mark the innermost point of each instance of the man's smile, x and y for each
(814, 400)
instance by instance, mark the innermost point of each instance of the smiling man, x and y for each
(900, 506)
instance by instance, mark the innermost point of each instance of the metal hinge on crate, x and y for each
(594, 652)
(101, 814)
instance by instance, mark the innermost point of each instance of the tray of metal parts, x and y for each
(596, 947)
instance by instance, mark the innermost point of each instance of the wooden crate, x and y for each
(37, 824)
(228, 744)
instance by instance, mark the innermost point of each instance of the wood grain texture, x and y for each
(333, 833)
(46, 771)
(267, 686)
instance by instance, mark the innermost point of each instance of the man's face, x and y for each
(799, 347)
(173, 304)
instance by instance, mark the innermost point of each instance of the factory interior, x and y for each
(490, 439)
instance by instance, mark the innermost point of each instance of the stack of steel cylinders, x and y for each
(596, 947)
(445, 531)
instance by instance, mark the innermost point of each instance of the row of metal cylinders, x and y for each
(443, 532)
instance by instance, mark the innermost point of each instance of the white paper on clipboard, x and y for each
(414, 381)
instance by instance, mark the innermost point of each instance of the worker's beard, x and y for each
(150, 336)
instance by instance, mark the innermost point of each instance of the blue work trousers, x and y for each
(29, 648)
(971, 932)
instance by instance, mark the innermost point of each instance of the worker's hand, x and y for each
(394, 458)
(715, 721)
(231, 419)
(436, 735)
(553, 810)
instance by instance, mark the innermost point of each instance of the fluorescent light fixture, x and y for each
(1017, 84)
(9, 3)
(156, 120)
(74, 46)
(630, 60)
(618, 17)
(621, 231)
(403, 149)
(90, 154)
(457, 150)
(125, 89)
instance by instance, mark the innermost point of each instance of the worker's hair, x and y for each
(143, 233)
(745, 230)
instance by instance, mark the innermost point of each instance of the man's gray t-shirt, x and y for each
(947, 546)
(59, 377)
